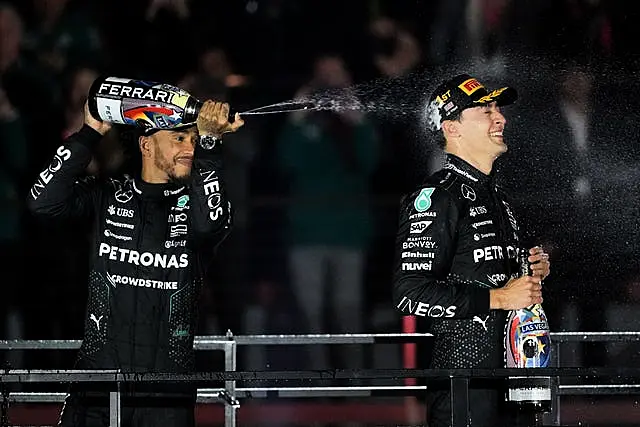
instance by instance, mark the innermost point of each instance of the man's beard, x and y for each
(166, 167)
(180, 180)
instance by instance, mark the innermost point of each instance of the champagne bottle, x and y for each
(527, 337)
(528, 345)
(144, 104)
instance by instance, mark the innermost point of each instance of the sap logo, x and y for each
(417, 255)
(415, 266)
(491, 253)
(422, 245)
(62, 155)
(477, 210)
(419, 227)
(425, 310)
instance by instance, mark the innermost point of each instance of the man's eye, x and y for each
(180, 138)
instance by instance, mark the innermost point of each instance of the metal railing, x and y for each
(229, 395)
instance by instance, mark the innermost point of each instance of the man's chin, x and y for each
(180, 179)
(500, 145)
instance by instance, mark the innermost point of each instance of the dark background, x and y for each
(577, 194)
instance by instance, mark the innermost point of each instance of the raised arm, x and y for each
(62, 189)
(211, 210)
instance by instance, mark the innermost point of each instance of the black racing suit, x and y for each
(150, 246)
(458, 239)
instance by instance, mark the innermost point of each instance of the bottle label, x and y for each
(141, 103)
(535, 394)
(527, 338)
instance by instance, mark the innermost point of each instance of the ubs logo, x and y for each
(121, 212)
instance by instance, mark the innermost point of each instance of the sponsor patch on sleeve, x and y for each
(422, 202)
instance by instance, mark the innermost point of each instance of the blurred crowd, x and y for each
(296, 263)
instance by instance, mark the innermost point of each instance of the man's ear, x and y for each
(451, 129)
(144, 142)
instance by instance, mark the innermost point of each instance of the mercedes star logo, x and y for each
(467, 192)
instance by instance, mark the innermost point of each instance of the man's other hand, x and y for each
(540, 264)
(213, 119)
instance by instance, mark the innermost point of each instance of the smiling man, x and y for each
(457, 249)
(169, 154)
(154, 235)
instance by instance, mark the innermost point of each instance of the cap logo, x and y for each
(469, 86)
(450, 107)
(440, 99)
(491, 96)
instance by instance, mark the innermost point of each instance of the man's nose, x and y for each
(498, 118)
(191, 143)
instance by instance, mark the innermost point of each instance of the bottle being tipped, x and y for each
(152, 105)
(528, 345)
(144, 104)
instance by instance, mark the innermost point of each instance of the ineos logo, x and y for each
(179, 217)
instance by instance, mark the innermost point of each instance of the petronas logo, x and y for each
(423, 201)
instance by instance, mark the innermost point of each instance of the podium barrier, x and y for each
(114, 380)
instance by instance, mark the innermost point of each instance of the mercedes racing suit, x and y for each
(457, 239)
(150, 246)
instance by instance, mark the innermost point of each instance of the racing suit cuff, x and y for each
(479, 301)
(87, 136)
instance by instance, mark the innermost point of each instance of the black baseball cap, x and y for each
(461, 92)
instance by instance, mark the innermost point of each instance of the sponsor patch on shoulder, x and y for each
(423, 201)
